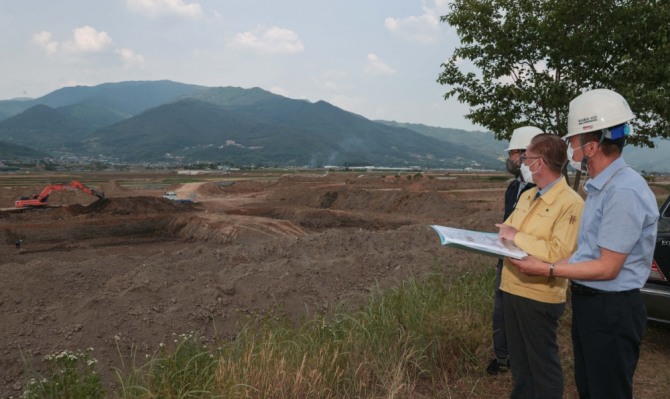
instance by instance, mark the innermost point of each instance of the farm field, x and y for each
(123, 273)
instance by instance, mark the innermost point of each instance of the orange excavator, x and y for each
(35, 201)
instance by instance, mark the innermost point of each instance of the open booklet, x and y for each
(478, 241)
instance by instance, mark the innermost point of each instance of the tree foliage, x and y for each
(521, 62)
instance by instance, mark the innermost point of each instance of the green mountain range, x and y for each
(14, 152)
(170, 122)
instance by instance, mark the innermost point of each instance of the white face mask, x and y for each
(571, 152)
(526, 173)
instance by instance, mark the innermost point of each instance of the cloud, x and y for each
(274, 40)
(375, 66)
(88, 39)
(422, 29)
(85, 40)
(43, 39)
(157, 8)
(130, 58)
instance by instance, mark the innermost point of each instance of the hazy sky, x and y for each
(376, 58)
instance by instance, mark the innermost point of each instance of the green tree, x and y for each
(521, 61)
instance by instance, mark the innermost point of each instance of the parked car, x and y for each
(656, 292)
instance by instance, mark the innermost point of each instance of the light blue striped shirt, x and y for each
(621, 215)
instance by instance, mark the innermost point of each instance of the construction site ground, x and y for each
(124, 273)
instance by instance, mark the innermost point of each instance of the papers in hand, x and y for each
(478, 241)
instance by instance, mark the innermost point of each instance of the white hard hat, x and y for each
(597, 110)
(522, 136)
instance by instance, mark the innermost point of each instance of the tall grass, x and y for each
(407, 340)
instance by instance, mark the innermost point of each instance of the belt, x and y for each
(582, 290)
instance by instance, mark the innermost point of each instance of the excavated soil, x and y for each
(124, 273)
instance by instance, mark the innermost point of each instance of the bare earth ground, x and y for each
(124, 273)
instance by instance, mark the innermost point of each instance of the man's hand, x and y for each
(506, 232)
(531, 266)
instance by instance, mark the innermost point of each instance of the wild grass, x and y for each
(404, 337)
(409, 339)
(423, 338)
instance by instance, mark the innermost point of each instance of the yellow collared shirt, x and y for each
(547, 229)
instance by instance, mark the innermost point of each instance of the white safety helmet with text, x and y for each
(522, 136)
(599, 109)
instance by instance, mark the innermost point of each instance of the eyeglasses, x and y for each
(524, 158)
(580, 142)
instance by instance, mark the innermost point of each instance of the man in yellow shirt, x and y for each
(545, 224)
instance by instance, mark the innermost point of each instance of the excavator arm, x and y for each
(41, 199)
(77, 185)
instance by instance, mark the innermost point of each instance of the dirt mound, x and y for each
(215, 188)
(382, 200)
(232, 229)
(112, 219)
(113, 189)
(134, 205)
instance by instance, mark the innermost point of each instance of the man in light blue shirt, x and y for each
(615, 249)
(618, 190)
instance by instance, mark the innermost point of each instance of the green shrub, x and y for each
(68, 374)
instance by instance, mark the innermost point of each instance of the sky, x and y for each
(376, 58)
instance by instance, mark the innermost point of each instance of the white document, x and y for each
(478, 241)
